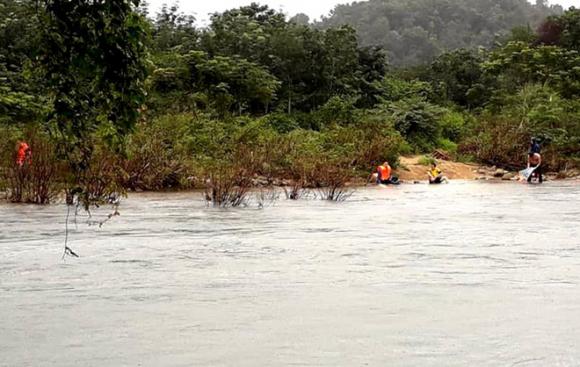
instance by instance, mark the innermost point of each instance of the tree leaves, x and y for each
(93, 59)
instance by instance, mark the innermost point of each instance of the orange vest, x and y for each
(23, 149)
(384, 172)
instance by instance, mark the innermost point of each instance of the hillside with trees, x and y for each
(415, 31)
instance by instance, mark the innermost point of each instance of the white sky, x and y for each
(313, 8)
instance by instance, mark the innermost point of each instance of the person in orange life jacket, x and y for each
(24, 154)
(384, 175)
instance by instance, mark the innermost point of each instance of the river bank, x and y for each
(413, 169)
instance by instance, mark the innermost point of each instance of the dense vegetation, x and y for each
(416, 31)
(111, 98)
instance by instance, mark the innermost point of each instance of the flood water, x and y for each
(456, 275)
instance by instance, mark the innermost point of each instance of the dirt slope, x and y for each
(411, 170)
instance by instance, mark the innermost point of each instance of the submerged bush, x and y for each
(227, 187)
(155, 155)
(332, 181)
(296, 190)
(36, 180)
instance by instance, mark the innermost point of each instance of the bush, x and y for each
(417, 121)
(447, 146)
(227, 186)
(453, 126)
(365, 144)
(304, 148)
(156, 156)
(426, 160)
(181, 150)
(497, 140)
(282, 123)
(331, 181)
(338, 110)
(11, 134)
(394, 89)
(37, 180)
(502, 134)
(101, 181)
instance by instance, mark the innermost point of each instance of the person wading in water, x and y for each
(384, 175)
(24, 154)
(535, 161)
(436, 175)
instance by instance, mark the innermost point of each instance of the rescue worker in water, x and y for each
(384, 175)
(535, 161)
(24, 154)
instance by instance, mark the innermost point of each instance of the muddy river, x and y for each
(465, 274)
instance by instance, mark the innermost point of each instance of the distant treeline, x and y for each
(416, 31)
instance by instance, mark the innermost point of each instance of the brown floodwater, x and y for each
(465, 274)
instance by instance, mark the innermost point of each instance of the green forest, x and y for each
(112, 98)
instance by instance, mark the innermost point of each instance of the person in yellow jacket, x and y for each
(436, 175)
